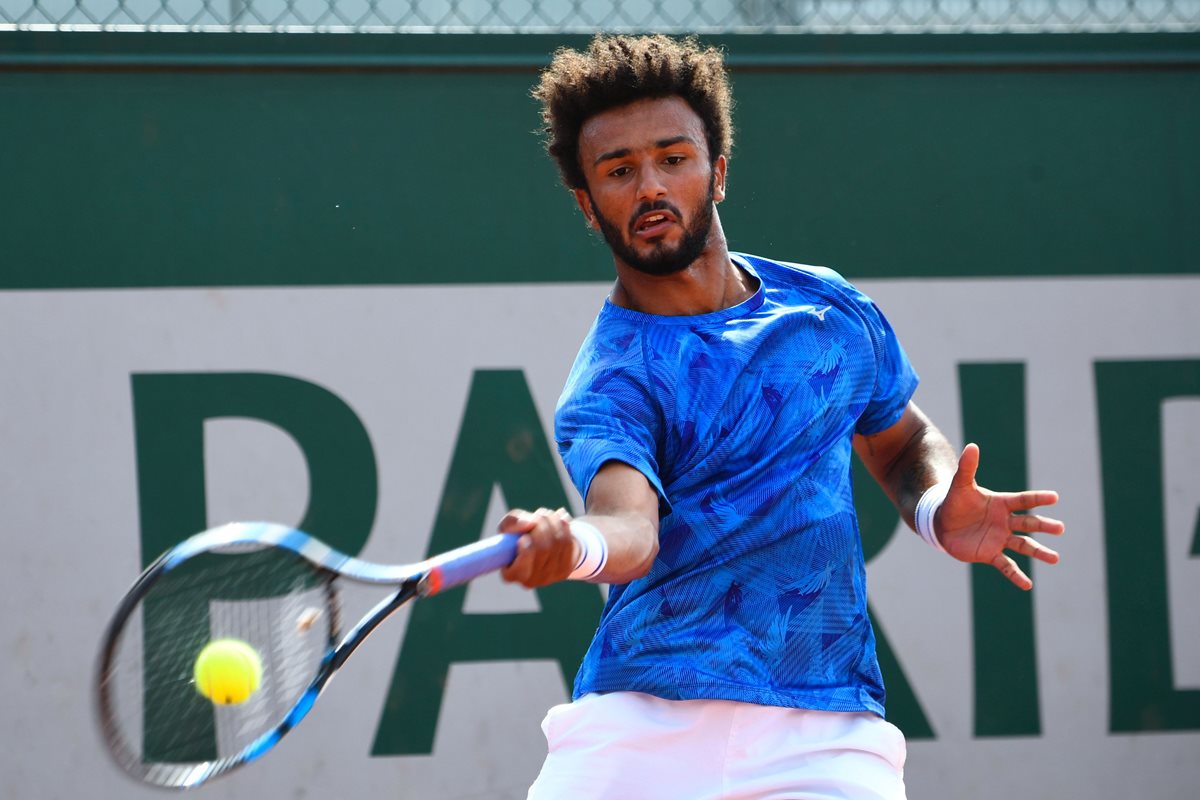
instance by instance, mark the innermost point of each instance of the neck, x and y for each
(710, 283)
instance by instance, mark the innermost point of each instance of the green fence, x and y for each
(560, 16)
(193, 159)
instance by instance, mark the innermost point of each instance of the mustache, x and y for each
(657, 205)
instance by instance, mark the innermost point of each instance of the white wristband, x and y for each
(927, 508)
(593, 550)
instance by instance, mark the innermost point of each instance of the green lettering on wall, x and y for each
(501, 441)
(169, 411)
(877, 521)
(1194, 551)
(1129, 399)
(1005, 650)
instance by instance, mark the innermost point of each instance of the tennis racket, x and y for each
(268, 587)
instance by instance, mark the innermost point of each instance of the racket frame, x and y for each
(423, 579)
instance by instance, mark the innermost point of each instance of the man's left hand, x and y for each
(978, 525)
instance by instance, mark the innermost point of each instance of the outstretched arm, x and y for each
(973, 524)
(621, 505)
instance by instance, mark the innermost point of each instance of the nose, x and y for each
(650, 184)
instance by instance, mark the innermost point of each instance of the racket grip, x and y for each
(461, 565)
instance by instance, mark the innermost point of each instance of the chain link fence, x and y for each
(583, 16)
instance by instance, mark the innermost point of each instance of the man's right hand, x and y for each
(621, 505)
(546, 553)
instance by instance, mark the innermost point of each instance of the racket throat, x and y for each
(384, 609)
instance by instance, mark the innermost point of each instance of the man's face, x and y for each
(651, 188)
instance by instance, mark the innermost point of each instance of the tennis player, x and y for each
(709, 422)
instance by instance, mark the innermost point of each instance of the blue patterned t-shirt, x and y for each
(742, 421)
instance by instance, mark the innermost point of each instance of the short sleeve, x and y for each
(607, 416)
(895, 378)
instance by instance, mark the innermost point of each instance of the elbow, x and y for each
(650, 552)
(638, 557)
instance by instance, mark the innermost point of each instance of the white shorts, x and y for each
(628, 746)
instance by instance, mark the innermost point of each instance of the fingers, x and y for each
(1028, 523)
(516, 521)
(1023, 501)
(968, 465)
(546, 553)
(1035, 523)
(1009, 569)
(1034, 549)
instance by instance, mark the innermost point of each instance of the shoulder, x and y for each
(612, 351)
(807, 280)
(612, 343)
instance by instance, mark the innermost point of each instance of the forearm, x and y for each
(927, 461)
(907, 459)
(623, 507)
(616, 541)
(631, 541)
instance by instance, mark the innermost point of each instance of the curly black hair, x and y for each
(618, 70)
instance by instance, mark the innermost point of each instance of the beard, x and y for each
(662, 259)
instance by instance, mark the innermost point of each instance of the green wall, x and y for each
(206, 159)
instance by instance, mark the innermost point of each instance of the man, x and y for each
(708, 422)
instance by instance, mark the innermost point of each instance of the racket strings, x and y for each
(284, 608)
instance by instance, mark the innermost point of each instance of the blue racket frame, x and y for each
(422, 579)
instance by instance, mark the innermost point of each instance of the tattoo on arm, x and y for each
(916, 479)
(908, 458)
(924, 460)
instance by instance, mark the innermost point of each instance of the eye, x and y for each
(619, 172)
(674, 161)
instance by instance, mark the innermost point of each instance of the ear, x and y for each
(719, 168)
(584, 201)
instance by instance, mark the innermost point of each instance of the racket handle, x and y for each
(461, 565)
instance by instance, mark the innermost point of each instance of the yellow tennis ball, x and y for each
(227, 671)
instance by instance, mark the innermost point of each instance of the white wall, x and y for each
(402, 358)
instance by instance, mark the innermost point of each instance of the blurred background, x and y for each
(575, 16)
(306, 261)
